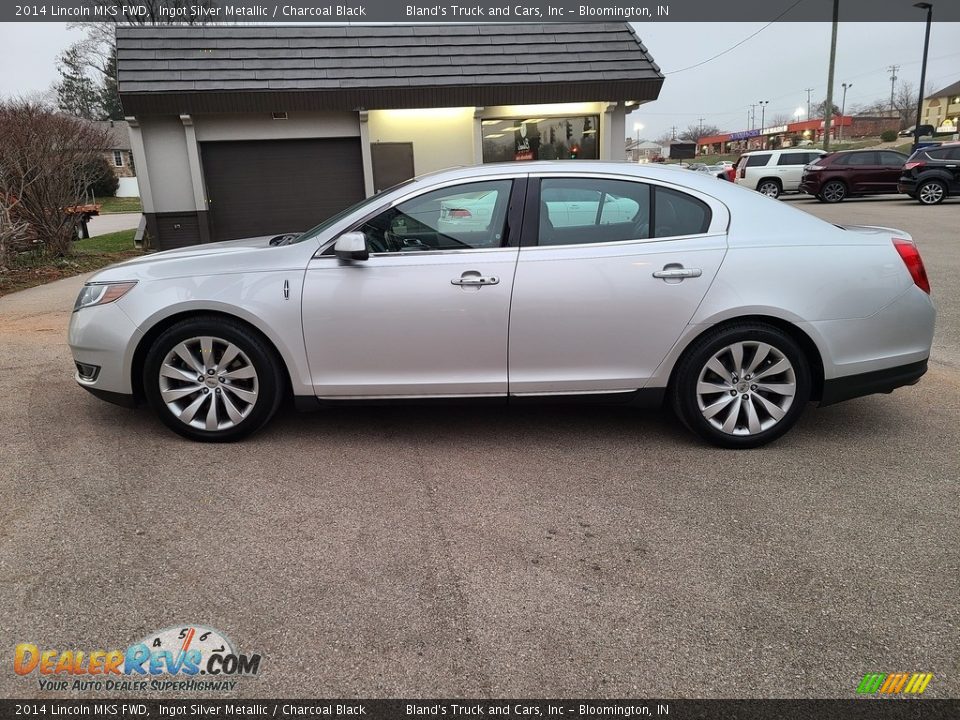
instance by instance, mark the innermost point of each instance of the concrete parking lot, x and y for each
(465, 551)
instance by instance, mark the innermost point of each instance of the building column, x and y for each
(365, 154)
(613, 126)
(196, 177)
(140, 162)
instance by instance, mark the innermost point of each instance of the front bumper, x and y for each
(103, 336)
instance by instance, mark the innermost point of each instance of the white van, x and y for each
(773, 172)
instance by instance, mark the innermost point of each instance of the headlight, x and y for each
(102, 293)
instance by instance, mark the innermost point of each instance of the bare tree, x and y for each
(780, 119)
(905, 101)
(46, 161)
(695, 132)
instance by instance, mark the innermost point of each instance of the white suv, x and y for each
(773, 172)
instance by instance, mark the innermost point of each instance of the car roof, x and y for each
(674, 174)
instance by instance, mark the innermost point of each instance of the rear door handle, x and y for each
(677, 272)
(474, 279)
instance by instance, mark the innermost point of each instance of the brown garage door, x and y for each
(276, 186)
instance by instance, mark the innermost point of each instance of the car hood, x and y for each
(230, 256)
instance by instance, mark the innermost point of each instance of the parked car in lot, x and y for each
(850, 173)
(774, 172)
(734, 311)
(932, 174)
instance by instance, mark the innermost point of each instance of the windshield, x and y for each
(333, 220)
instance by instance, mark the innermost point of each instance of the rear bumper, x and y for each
(811, 188)
(907, 185)
(878, 381)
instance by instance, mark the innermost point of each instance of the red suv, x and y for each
(837, 176)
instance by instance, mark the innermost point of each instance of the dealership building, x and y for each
(245, 130)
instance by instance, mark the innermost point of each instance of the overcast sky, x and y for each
(776, 65)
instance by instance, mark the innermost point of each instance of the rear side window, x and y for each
(757, 160)
(939, 153)
(676, 213)
(953, 153)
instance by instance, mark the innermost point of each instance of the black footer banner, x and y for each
(857, 709)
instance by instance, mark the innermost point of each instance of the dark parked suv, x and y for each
(836, 176)
(932, 173)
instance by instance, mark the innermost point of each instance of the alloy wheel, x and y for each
(770, 189)
(208, 383)
(930, 193)
(834, 192)
(746, 388)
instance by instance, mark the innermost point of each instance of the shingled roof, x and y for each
(233, 68)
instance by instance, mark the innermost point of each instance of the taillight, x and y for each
(911, 258)
(460, 213)
(914, 164)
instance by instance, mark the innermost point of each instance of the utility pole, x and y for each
(673, 132)
(843, 107)
(923, 68)
(893, 84)
(753, 116)
(828, 107)
(700, 120)
(809, 90)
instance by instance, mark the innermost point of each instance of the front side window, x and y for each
(461, 217)
(757, 160)
(862, 159)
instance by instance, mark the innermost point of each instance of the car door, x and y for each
(789, 169)
(888, 175)
(597, 306)
(426, 314)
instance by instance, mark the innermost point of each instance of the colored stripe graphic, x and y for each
(871, 682)
(918, 683)
(893, 683)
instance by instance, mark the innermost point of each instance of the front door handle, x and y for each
(677, 272)
(472, 278)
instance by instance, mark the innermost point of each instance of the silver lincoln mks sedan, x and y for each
(632, 283)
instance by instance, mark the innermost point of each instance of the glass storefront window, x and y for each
(561, 138)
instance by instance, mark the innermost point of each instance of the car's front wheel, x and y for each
(931, 192)
(742, 385)
(770, 188)
(212, 379)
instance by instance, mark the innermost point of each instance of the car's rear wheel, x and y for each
(770, 188)
(212, 379)
(834, 192)
(742, 385)
(931, 192)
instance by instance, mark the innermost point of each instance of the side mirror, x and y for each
(351, 246)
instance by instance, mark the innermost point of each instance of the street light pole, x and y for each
(843, 107)
(923, 71)
(763, 114)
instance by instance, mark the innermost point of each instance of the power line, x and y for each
(734, 47)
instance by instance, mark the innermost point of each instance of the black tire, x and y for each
(685, 399)
(770, 187)
(834, 191)
(268, 381)
(931, 192)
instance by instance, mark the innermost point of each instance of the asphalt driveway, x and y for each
(469, 552)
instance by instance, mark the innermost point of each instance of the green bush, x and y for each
(101, 179)
(888, 135)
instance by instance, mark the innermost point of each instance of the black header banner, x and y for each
(857, 709)
(470, 11)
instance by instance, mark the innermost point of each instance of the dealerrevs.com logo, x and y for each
(188, 657)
